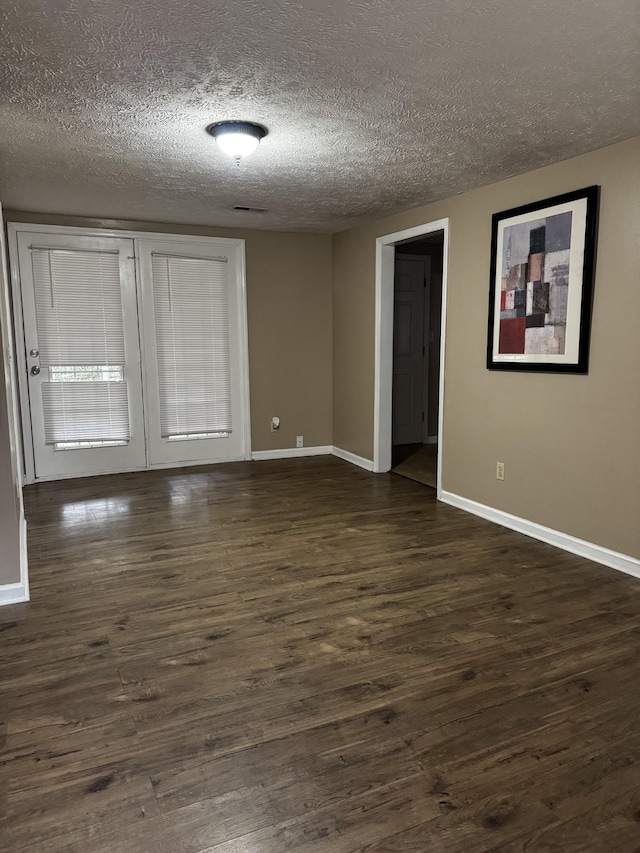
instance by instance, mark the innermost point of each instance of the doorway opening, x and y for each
(417, 309)
(404, 325)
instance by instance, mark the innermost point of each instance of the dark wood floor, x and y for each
(418, 462)
(301, 656)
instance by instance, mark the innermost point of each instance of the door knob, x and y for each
(35, 370)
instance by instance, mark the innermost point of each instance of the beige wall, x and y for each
(289, 310)
(571, 444)
(11, 510)
(9, 501)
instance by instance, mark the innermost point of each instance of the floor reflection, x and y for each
(80, 512)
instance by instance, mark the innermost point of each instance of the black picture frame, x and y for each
(541, 284)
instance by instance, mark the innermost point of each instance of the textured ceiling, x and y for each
(373, 106)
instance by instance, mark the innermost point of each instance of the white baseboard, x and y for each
(24, 560)
(13, 593)
(360, 461)
(289, 452)
(597, 553)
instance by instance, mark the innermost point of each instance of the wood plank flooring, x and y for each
(302, 656)
(420, 465)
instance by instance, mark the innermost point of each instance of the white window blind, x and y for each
(78, 307)
(78, 303)
(192, 340)
(85, 411)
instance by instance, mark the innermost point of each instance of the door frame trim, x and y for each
(14, 228)
(28, 456)
(385, 257)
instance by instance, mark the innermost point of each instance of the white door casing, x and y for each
(383, 377)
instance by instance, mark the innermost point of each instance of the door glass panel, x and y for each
(192, 339)
(80, 329)
(194, 350)
(87, 373)
(85, 411)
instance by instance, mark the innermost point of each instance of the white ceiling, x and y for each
(373, 106)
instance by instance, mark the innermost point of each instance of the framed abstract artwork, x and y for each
(542, 264)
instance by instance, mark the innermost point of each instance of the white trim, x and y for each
(382, 423)
(385, 256)
(29, 471)
(82, 231)
(291, 452)
(360, 461)
(190, 463)
(14, 593)
(24, 562)
(59, 477)
(243, 322)
(156, 466)
(443, 328)
(597, 553)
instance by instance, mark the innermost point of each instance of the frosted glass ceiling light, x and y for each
(237, 138)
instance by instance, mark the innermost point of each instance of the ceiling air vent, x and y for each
(250, 209)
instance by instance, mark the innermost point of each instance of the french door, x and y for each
(82, 355)
(134, 351)
(191, 305)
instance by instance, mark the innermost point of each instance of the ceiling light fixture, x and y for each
(237, 138)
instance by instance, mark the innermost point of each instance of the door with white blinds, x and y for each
(193, 333)
(80, 323)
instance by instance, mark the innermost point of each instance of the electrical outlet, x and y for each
(275, 424)
(499, 470)
(299, 441)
